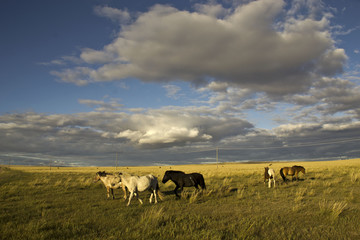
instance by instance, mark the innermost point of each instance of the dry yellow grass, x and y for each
(64, 203)
(209, 170)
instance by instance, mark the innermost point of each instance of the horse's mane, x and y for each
(175, 171)
(103, 173)
(125, 174)
(296, 166)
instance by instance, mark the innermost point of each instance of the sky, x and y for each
(123, 82)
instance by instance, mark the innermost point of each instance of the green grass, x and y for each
(38, 203)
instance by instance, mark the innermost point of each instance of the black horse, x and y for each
(182, 180)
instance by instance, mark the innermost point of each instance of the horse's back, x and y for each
(174, 172)
(145, 182)
(299, 168)
(198, 176)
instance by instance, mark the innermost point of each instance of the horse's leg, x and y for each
(151, 196)
(112, 193)
(130, 197)
(269, 183)
(137, 196)
(124, 190)
(274, 181)
(108, 191)
(155, 195)
(181, 189)
(175, 191)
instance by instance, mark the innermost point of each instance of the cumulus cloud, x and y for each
(99, 130)
(328, 96)
(172, 91)
(171, 133)
(116, 15)
(253, 45)
(101, 105)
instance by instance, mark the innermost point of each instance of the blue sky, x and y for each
(167, 82)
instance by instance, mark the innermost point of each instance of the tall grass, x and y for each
(333, 209)
(64, 203)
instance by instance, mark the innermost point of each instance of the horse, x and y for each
(111, 182)
(137, 184)
(182, 180)
(291, 171)
(269, 175)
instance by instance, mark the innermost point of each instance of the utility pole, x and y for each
(116, 163)
(217, 157)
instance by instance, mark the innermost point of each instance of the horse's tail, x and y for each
(159, 193)
(282, 174)
(202, 182)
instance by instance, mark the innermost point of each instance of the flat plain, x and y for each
(65, 203)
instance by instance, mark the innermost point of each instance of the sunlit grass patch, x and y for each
(194, 196)
(337, 208)
(300, 194)
(43, 181)
(354, 176)
(64, 203)
(297, 207)
(333, 208)
(241, 192)
(153, 215)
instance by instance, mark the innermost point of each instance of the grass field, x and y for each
(64, 203)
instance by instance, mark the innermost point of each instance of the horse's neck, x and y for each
(105, 180)
(125, 179)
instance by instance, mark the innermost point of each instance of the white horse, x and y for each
(137, 184)
(269, 175)
(111, 182)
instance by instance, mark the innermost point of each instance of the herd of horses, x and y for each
(269, 174)
(135, 184)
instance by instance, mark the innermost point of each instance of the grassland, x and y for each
(64, 203)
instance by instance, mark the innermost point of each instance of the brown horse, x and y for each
(291, 171)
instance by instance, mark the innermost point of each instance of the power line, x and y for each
(310, 144)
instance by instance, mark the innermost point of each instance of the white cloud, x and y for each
(113, 105)
(114, 14)
(250, 46)
(92, 56)
(172, 91)
(168, 131)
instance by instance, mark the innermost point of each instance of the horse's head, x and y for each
(166, 177)
(266, 174)
(98, 176)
